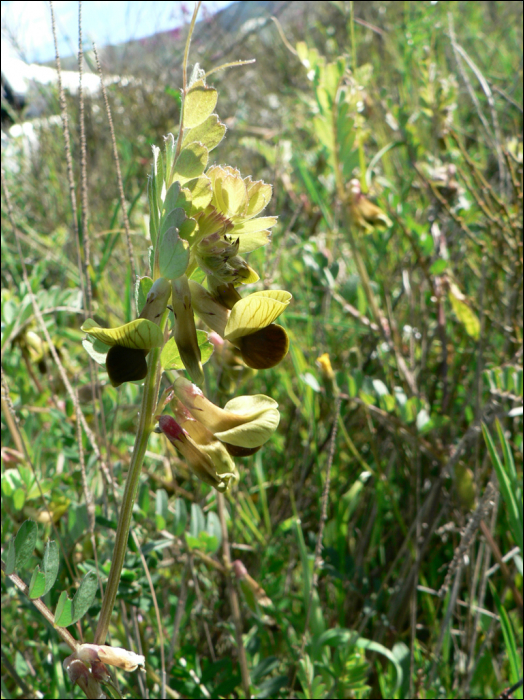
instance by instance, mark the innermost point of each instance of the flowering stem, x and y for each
(124, 522)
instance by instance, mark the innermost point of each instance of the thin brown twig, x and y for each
(83, 173)
(127, 228)
(68, 155)
(323, 518)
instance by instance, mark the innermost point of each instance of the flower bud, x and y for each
(156, 301)
(198, 460)
(212, 312)
(364, 213)
(218, 256)
(225, 294)
(246, 421)
(185, 330)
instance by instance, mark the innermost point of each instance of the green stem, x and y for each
(145, 427)
(352, 34)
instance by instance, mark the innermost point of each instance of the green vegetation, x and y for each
(373, 546)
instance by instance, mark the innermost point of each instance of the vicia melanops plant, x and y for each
(203, 221)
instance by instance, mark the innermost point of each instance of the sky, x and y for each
(29, 24)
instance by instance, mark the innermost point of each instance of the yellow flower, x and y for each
(245, 421)
(199, 460)
(364, 213)
(130, 343)
(248, 323)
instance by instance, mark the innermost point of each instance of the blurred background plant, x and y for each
(392, 135)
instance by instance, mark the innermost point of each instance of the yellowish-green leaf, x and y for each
(191, 162)
(199, 103)
(170, 356)
(463, 312)
(324, 133)
(303, 52)
(210, 133)
(140, 334)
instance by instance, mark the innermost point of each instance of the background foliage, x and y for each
(431, 128)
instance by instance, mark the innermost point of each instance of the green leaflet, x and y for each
(170, 356)
(199, 103)
(210, 133)
(191, 162)
(174, 254)
(463, 312)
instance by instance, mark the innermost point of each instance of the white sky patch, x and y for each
(26, 25)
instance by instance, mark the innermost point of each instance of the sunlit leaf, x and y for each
(37, 584)
(210, 133)
(463, 312)
(199, 103)
(253, 225)
(64, 611)
(251, 241)
(170, 357)
(191, 162)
